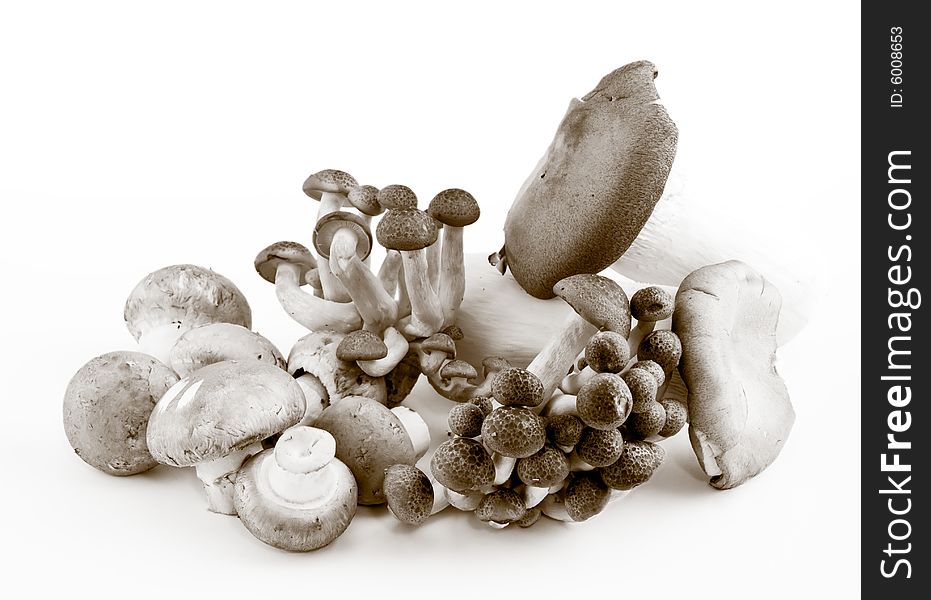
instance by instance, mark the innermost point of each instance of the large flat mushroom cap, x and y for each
(316, 354)
(220, 408)
(215, 342)
(596, 185)
(739, 409)
(598, 300)
(188, 295)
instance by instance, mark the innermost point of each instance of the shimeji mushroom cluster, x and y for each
(292, 445)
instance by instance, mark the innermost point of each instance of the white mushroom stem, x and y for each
(301, 472)
(571, 384)
(404, 297)
(316, 398)
(465, 502)
(457, 389)
(554, 507)
(553, 362)
(389, 271)
(561, 404)
(376, 307)
(397, 350)
(534, 495)
(308, 310)
(440, 501)
(639, 331)
(434, 261)
(216, 476)
(415, 427)
(504, 466)
(332, 288)
(426, 313)
(158, 341)
(577, 464)
(452, 274)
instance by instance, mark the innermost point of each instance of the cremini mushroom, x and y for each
(370, 438)
(285, 264)
(106, 410)
(331, 188)
(314, 356)
(216, 417)
(739, 410)
(297, 496)
(174, 299)
(214, 342)
(455, 209)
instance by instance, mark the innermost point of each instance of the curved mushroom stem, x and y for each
(218, 478)
(300, 473)
(377, 309)
(430, 360)
(404, 297)
(332, 288)
(158, 341)
(426, 313)
(504, 466)
(389, 271)
(640, 331)
(440, 501)
(435, 261)
(553, 362)
(571, 384)
(397, 350)
(415, 427)
(308, 310)
(457, 389)
(452, 274)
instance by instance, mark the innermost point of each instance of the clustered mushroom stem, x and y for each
(389, 271)
(332, 288)
(158, 341)
(553, 362)
(378, 309)
(452, 274)
(404, 297)
(215, 475)
(434, 259)
(299, 474)
(416, 428)
(426, 313)
(640, 331)
(308, 310)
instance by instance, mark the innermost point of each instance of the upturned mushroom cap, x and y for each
(106, 410)
(369, 439)
(214, 342)
(595, 186)
(220, 408)
(330, 223)
(409, 493)
(598, 300)
(315, 354)
(186, 295)
(267, 260)
(396, 196)
(329, 180)
(651, 304)
(361, 345)
(406, 229)
(365, 199)
(454, 207)
(739, 410)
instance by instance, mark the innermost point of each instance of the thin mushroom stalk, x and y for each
(426, 316)
(452, 273)
(310, 311)
(376, 307)
(435, 260)
(332, 288)
(554, 359)
(389, 272)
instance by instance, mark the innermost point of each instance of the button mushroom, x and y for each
(217, 416)
(297, 496)
(212, 343)
(174, 299)
(738, 407)
(106, 410)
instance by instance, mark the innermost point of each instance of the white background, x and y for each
(135, 136)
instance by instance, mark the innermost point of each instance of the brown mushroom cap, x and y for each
(369, 439)
(267, 260)
(396, 196)
(651, 304)
(458, 368)
(329, 180)
(220, 408)
(607, 352)
(604, 402)
(106, 410)
(596, 186)
(462, 464)
(454, 207)
(329, 224)
(513, 431)
(739, 410)
(517, 387)
(315, 354)
(440, 342)
(361, 345)
(409, 493)
(365, 199)
(586, 495)
(187, 295)
(406, 229)
(503, 505)
(643, 388)
(662, 347)
(214, 342)
(598, 300)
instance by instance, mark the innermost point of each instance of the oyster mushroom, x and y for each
(212, 343)
(297, 496)
(174, 299)
(739, 410)
(217, 417)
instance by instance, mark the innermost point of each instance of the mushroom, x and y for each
(409, 493)
(174, 299)
(106, 410)
(465, 420)
(297, 496)
(214, 342)
(513, 431)
(285, 264)
(361, 345)
(370, 438)
(607, 352)
(501, 507)
(409, 231)
(604, 402)
(314, 356)
(648, 305)
(636, 465)
(433, 351)
(739, 410)
(455, 209)
(216, 417)
(402, 379)
(397, 348)
(454, 380)
(396, 196)
(586, 495)
(330, 187)
(517, 387)
(365, 199)
(462, 465)
(600, 447)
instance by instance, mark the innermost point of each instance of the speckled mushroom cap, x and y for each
(220, 408)
(106, 410)
(395, 196)
(454, 207)
(409, 493)
(596, 185)
(406, 229)
(651, 304)
(365, 199)
(315, 354)
(214, 342)
(329, 180)
(598, 300)
(369, 439)
(361, 345)
(186, 295)
(330, 223)
(267, 260)
(458, 368)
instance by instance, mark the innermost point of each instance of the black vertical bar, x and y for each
(895, 335)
